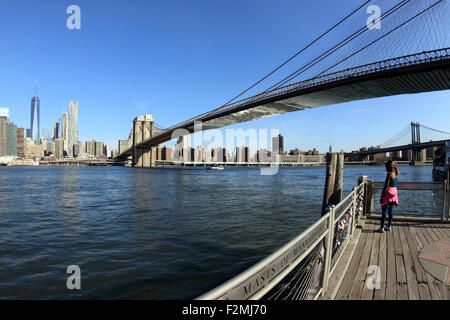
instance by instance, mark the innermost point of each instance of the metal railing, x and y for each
(441, 188)
(295, 267)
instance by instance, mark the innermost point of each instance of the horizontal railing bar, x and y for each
(341, 204)
(344, 246)
(258, 295)
(247, 275)
(336, 221)
(413, 185)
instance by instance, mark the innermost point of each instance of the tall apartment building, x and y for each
(240, 157)
(77, 148)
(278, 144)
(59, 148)
(3, 135)
(95, 148)
(166, 154)
(21, 142)
(11, 140)
(56, 131)
(100, 149)
(72, 138)
(65, 129)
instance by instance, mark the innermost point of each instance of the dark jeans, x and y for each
(389, 208)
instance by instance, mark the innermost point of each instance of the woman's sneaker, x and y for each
(387, 228)
(380, 230)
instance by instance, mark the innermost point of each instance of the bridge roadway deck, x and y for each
(397, 253)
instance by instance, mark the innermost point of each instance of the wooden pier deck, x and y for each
(396, 252)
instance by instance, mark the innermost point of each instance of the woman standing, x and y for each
(389, 197)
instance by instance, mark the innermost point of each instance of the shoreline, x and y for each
(204, 165)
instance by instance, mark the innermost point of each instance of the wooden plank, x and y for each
(444, 290)
(391, 278)
(431, 234)
(380, 293)
(415, 236)
(441, 231)
(355, 292)
(415, 246)
(445, 229)
(402, 292)
(346, 286)
(411, 279)
(434, 288)
(425, 235)
(437, 233)
(367, 294)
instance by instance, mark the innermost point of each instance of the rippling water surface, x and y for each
(155, 233)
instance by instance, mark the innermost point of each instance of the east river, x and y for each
(158, 233)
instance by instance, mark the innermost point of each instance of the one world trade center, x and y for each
(35, 119)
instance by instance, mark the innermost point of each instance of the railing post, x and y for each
(368, 208)
(328, 251)
(364, 179)
(353, 217)
(444, 203)
(447, 191)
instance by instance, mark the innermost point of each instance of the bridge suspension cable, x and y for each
(298, 52)
(423, 126)
(349, 39)
(381, 37)
(335, 48)
(404, 132)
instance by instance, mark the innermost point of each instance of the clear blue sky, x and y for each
(177, 59)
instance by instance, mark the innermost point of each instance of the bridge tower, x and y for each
(415, 141)
(143, 128)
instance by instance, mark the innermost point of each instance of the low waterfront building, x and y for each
(312, 152)
(34, 151)
(302, 158)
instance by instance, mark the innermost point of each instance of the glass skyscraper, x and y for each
(35, 119)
